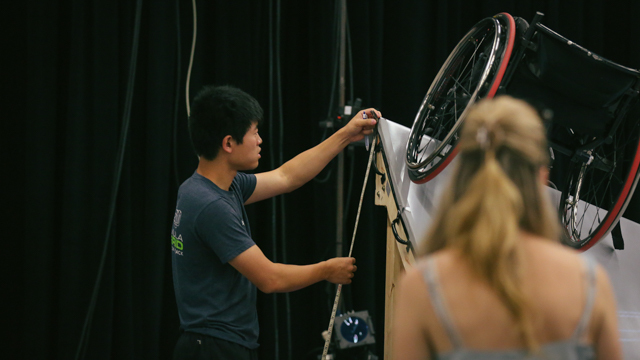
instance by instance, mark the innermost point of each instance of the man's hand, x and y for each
(358, 127)
(304, 167)
(272, 277)
(340, 270)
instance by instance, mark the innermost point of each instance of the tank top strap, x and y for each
(590, 286)
(430, 275)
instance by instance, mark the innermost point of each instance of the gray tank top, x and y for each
(571, 349)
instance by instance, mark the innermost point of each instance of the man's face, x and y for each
(246, 156)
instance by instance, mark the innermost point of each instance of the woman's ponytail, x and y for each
(495, 194)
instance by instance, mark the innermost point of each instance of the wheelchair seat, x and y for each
(582, 88)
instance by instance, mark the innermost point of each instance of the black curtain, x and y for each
(64, 148)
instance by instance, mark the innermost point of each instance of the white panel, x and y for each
(419, 201)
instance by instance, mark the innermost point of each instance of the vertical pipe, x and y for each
(341, 103)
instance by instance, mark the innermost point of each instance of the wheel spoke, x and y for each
(472, 58)
(457, 86)
(603, 182)
(462, 87)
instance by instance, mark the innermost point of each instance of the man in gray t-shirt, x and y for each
(216, 264)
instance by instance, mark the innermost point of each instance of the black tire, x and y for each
(473, 70)
(596, 194)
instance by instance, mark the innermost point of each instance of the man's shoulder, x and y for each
(197, 191)
(244, 184)
(244, 179)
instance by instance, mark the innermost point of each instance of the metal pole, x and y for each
(341, 103)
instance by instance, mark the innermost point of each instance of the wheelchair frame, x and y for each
(595, 162)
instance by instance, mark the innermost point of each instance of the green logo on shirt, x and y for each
(176, 243)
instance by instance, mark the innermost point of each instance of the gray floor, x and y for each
(418, 202)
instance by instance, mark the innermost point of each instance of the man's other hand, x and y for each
(340, 270)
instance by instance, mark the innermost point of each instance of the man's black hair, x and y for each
(218, 111)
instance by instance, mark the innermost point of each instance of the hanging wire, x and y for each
(351, 154)
(336, 60)
(352, 161)
(193, 50)
(350, 56)
(176, 101)
(122, 144)
(274, 229)
(336, 56)
(283, 213)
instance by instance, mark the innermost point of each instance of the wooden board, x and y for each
(398, 256)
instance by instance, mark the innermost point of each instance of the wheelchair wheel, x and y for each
(473, 70)
(597, 193)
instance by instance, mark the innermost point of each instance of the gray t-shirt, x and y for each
(210, 228)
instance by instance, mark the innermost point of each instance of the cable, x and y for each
(351, 154)
(274, 230)
(279, 87)
(193, 50)
(350, 56)
(328, 176)
(283, 213)
(347, 300)
(176, 101)
(126, 119)
(352, 159)
(336, 56)
(348, 294)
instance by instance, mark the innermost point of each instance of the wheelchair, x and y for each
(593, 134)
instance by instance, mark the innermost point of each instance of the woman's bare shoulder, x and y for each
(551, 250)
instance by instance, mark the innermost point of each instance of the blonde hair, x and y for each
(495, 193)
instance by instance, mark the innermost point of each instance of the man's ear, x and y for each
(227, 143)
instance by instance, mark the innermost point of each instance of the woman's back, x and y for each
(554, 278)
(504, 281)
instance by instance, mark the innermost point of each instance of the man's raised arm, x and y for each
(304, 167)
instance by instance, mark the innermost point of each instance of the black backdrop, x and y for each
(63, 145)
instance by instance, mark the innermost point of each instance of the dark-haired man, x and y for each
(216, 264)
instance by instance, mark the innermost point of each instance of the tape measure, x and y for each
(327, 340)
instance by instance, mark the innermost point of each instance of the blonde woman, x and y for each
(494, 282)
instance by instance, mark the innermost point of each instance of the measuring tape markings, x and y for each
(355, 228)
